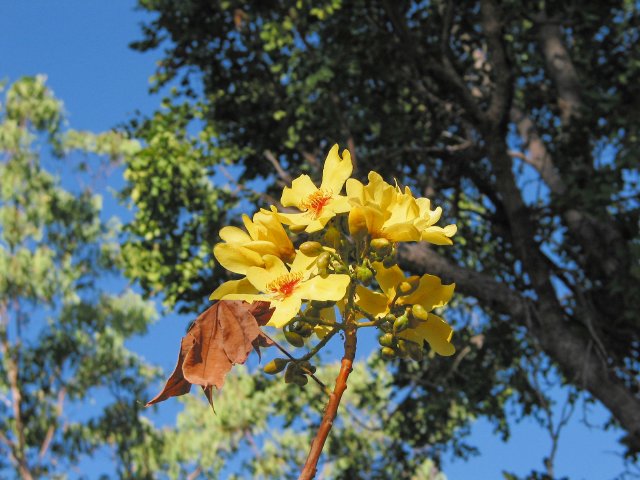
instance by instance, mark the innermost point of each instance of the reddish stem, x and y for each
(310, 467)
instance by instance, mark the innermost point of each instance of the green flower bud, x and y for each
(291, 373)
(381, 246)
(300, 380)
(303, 329)
(294, 338)
(323, 260)
(386, 340)
(388, 353)
(419, 312)
(364, 275)
(311, 248)
(306, 367)
(339, 267)
(389, 261)
(401, 323)
(390, 318)
(275, 366)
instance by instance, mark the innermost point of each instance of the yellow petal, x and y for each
(234, 235)
(339, 204)
(355, 191)
(431, 293)
(373, 303)
(284, 311)
(336, 170)
(232, 287)
(262, 277)
(436, 332)
(331, 287)
(300, 189)
(302, 263)
(236, 258)
(388, 278)
(251, 228)
(437, 235)
(401, 232)
(328, 315)
(317, 224)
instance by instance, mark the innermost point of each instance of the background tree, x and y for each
(520, 116)
(262, 422)
(62, 338)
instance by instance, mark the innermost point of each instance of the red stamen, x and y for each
(316, 202)
(284, 285)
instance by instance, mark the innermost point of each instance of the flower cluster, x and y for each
(345, 262)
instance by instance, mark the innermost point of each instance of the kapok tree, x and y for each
(326, 267)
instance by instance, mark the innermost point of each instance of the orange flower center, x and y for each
(284, 285)
(315, 202)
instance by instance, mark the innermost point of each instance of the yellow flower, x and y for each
(284, 288)
(318, 205)
(242, 250)
(386, 212)
(390, 213)
(425, 223)
(430, 293)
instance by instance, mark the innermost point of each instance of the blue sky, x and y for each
(82, 47)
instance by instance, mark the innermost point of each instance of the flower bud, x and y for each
(408, 287)
(387, 353)
(297, 228)
(311, 248)
(294, 338)
(300, 380)
(386, 340)
(357, 222)
(401, 323)
(381, 246)
(323, 260)
(307, 368)
(389, 261)
(275, 366)
(339, 267)
(390, 318)
(419, 312)
(303, 329)
(364, 275)
(291, 373)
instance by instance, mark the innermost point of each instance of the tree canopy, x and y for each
(62, 333)
(520, 117)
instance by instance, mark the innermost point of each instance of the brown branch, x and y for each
(13, 375)
(310, 467)
(491, 293)
(282, 173)
(560, 68)
(492, 25)
(52, 428)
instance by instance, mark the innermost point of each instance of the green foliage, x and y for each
(62, 340)
(256, 432)
(178, 208)
(521, 115)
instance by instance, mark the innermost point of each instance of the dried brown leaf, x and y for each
(222, 335)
